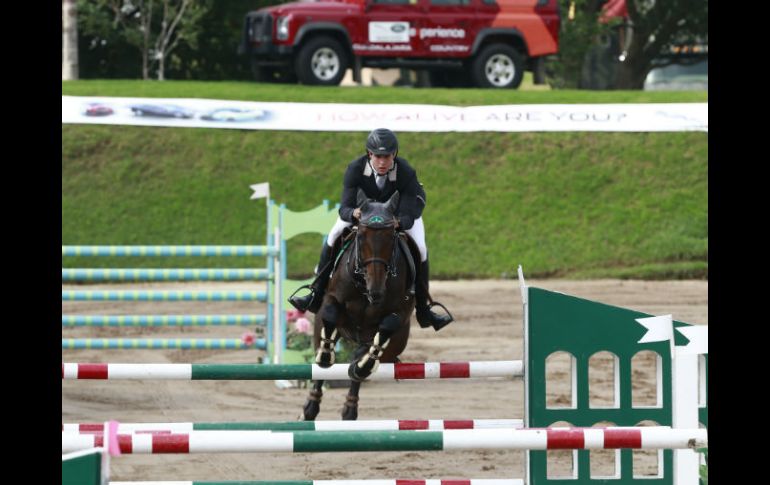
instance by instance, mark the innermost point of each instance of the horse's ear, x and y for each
(393, 202)
(361, 198)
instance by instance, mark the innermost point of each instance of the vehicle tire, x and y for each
(322, 61)
(498, 66)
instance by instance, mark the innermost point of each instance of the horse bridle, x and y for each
(359, 266)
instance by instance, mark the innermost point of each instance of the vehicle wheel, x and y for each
(322, 61)
(498, 66)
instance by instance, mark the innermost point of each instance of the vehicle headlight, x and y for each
(282, 27)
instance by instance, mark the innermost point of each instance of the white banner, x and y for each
(250, 115)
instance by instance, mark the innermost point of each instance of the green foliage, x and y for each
(105, 51)
(102, 51)
(704, 469)
(561, 204)
(150, 30)
(658, 28)
(576, 38)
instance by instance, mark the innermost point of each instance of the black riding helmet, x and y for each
(382, 141)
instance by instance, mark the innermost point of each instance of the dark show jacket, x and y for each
(402, 177)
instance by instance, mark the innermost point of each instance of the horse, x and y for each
(369, 300)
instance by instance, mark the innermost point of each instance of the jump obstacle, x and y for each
(471, 481)
(553, 322)
(361, 425)
(264, 372)
(282, 225)
(238, 441)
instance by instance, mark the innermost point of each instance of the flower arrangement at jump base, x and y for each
(299, 334)
(300, 337)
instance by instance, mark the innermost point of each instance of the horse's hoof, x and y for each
(310, 411)
(349, 413)
(350, 408)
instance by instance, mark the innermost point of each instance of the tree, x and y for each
(605, 44)
(656, 32)
(69, 40)
(105, 52)
(154, 28)
(580, 31)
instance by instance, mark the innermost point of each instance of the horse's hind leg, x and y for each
(350, 409)
(313, 403)
(361, 368)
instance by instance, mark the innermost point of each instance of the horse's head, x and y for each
(376, 244)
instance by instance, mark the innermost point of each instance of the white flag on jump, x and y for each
(698, 336)
(659, 329)
(260, 190)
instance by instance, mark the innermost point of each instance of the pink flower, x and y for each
(303, 325)
(294, 314)
(248, 339)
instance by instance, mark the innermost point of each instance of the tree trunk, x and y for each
(630, 76)
(69, 40)
(161, 67)
(145, 66)
(634, 68)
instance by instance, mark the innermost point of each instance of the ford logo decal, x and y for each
(397, 28)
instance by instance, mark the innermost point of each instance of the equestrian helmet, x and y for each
(382, 141)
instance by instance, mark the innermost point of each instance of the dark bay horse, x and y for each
(369, 301)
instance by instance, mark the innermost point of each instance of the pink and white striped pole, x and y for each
(331, 441)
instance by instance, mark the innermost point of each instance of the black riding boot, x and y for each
(312, 301)
(425, 317)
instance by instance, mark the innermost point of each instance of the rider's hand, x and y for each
(357, 213)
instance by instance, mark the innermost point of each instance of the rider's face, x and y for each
(382, 163)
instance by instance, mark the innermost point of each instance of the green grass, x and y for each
(248, 91)
(584, 205)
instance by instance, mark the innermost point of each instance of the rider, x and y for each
(379, 174)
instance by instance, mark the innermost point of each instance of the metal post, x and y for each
(280, 262)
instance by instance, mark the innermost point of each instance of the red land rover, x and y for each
(487, 43)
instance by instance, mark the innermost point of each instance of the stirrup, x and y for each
(440, 324)
(311, 295)
(435, 303)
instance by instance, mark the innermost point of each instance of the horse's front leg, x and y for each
(313, 403)
(350, 409)
(325, 354)
(362, 367)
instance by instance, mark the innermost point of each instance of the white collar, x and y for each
(368, 171)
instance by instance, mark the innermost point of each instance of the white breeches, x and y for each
(417, 232)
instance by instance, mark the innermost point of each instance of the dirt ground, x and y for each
(488, 326)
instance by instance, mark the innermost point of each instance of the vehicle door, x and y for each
(449, 27)
(390, 28)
